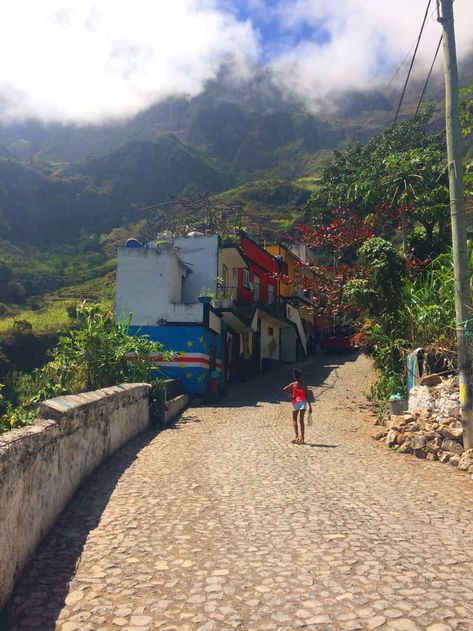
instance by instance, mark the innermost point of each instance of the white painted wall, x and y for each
(269, 343)
(303, 252)
(148, 285)
(293, 315)
(200, 254)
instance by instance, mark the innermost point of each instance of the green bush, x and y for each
(94, 353)
(157, 400)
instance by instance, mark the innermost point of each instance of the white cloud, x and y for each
(92, 60)
(87, 60)
(367, 39)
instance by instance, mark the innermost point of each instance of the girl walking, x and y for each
(300, 403)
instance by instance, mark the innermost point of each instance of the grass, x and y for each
(53, 316)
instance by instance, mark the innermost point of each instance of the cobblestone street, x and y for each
(220, 523)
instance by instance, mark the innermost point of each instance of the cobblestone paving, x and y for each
(221, 523)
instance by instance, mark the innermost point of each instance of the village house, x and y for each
(297, 288)
(217, 304)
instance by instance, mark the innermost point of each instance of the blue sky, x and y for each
(276, 35)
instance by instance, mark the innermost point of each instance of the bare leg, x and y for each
(296, 429)
(301, 423)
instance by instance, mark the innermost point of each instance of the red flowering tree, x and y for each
(335, 243)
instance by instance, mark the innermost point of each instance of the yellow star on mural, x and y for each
(202, 339)
(188, 375)
(190, 343)
(201, 378)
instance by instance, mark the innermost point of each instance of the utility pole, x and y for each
(457, 211)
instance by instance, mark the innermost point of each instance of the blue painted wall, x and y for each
(193, 343)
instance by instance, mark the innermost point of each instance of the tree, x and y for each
(466, 120)
(466, 110)
(378, 293)
(335, 243)
(94, 353)
(396, 180)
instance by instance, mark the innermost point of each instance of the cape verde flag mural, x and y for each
(199, 354)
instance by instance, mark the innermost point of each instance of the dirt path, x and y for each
(221, 523)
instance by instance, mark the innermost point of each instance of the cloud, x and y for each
(91, 60)
(364, 40)
(94, 60)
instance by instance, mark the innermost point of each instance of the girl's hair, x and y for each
(297, 374)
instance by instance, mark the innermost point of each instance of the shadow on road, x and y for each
(321, 446)
(40, 594)
(266, 388)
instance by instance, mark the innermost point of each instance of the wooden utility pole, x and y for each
(457, 211)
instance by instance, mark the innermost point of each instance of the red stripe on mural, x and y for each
(183, 359)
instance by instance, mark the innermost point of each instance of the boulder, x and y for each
(382, 433)
(444, 456)
(391, 437)
(454, 460)
(431, 380)
(418, 441)
(452, 446)
(433, 447)
(407, 444)
(454, 432)
(433, 436)
(466, 460)
(394, 422)
(420, 453)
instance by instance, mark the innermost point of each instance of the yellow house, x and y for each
(293, 288)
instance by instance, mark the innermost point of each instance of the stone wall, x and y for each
(432, 428)
(442, 401)
(42, 465)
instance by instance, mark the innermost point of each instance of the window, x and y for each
(256, 287)
(246, 278)
(270, 294)
(270, 330)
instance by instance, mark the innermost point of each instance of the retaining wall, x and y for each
(443, 400)
(42, 465)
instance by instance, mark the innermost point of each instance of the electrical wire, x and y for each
(424, 89)
(412, 61)
(398, 69)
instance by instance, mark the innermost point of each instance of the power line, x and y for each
(398, 69)
(424, 89)
(412, 61)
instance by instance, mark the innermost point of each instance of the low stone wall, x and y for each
(175, 407)
(432, 428)
(441, 401)
(42, 465)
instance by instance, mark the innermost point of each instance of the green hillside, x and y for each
(69, 195)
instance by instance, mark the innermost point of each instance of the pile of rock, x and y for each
(432, 431)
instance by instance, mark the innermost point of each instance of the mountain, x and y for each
(64, 188)
(58, 180)
(44, 203)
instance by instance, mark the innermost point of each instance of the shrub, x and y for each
(94, 353)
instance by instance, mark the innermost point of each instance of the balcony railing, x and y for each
(227, 293)
(230, 296)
